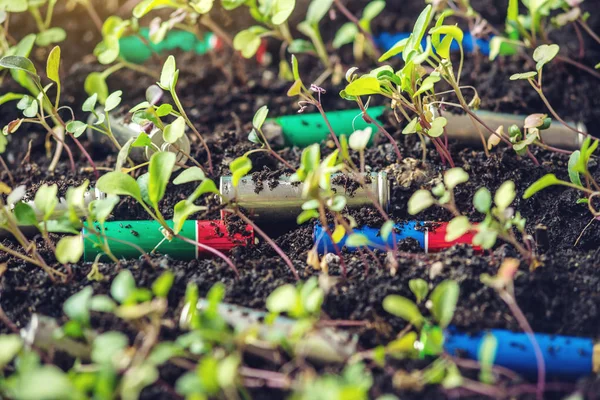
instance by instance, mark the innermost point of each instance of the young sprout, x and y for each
(358, 31)
(499, 222)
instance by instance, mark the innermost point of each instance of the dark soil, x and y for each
(561, 297)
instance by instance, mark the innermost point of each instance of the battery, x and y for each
(430, 236)
(460, 128)
(123, 131)
(148, 236)
(282, 199)
(302, 130)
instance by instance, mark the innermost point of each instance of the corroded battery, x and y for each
(282, 198)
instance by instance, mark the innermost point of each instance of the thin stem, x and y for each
(274, 245)
(524, 324)
(211, 250)
(207, 21)
(10, 176)
(344, 10)
(579, 65)
(331, 131)
(94, 15)
(193, 128)
(382, 129)
(587, 28)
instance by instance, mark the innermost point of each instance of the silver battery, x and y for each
(460, 128)
(283, 200)
(124, 131)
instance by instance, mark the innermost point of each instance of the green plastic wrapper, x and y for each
(145, 234)
(302, 130)
(134, 50)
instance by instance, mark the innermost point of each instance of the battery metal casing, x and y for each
(283, 200)
(460, 128)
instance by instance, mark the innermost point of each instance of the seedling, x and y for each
(358, 32)
(577, 168)
(499, 222)
(47, 34)
(38, 107)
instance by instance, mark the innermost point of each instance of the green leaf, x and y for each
(306, 215)
(53, 65)
(14, 6)
(122, 286)
(505, 195)
(77, 128)
(363, 86)
(77, 306)
(174, 131)
(45, 200)
(168, 76)
(207, 186)
(419, 201)
(119, 183)
(452, 33)
(191, 174)
(162, 285)
(386, 229)
(444, 298)
(182, 211)
(295, 68)
(5, 98)
(457, 228)
(259, 117)
(20, 64)
(486, 356)
(544, 54)
(142, 140)
(50, 36)
(540, 184)
(372, 10)
(202, 6)
(524, 75)
(420, 288)
(113, 101)
(69, 249)
(25, 214)
(96, 84)
(89, 105)
(345, 35)
(395, 50)
(163, 110)
(414, 41)
(404, 308)
(357, 240)
(428, 84)
(102, 208)
(145, 6)
(248, 41)
(44, 383)
(573, 174)
(282, 9)
(482, 200)
(107, 346)
(102, 303)
(239, 168)
(282, 299)
(11, 345)
(454, 177)
(317, 10)
(437, 127)
(160, 169)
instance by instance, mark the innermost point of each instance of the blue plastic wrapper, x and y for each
(402, 231)
(566, 358)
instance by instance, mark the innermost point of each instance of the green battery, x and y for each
(147, 235)
(134, 50)
(302, 130)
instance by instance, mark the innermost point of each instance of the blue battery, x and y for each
(386, 41)
(411, 229)
(565, 357)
